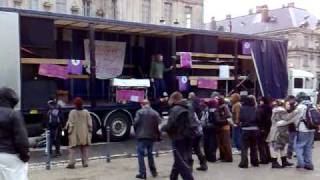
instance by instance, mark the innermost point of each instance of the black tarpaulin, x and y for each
(271, 65)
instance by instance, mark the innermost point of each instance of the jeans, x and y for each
(249, 140)
(210, 145)
(142, 145)
(304, 148)
(263, 147)
(55, 139)
(182, 154)
(160, 87)
(292, 143)
(236, 138)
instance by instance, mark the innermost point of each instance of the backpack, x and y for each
(312, 120)
(54, 117)
(192, 124)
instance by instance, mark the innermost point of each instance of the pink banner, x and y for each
(185, 60)
(207, 83)
(130, 95)
(51, 70)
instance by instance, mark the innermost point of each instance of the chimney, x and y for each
(250, 11)
(213, 23)
(291, 5)
(265, 14)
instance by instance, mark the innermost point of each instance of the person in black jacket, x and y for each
(146, 125)
(178, 127)
(14, 146)
(264, 114)
(250, 132)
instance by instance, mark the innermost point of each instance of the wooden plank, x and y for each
(244, 57)
(205, 55)
(74, 76)
(198, 66)
(44, 61)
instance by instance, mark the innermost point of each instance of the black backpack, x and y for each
(312, 120)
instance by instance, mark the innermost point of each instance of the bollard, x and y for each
(108, 143)
(48, 145)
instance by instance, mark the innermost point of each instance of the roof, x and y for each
(101, 24)
(301, 73)
(283, 18)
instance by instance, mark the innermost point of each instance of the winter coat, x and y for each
(13, 133)
(248, 117)
(178, 122)
(279, 134)
(264, 114)
(236, 105)
(146, 124)
(79, 127)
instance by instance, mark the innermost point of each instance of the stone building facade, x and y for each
(182, 13)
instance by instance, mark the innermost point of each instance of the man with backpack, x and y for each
(306, 127)
(55, 125)
(179, 129)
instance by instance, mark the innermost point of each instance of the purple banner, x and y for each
(207, 83)
(246, 48)
(185, 60)
(130, 95)
(74, 66)
(183, 83)
(51, 70)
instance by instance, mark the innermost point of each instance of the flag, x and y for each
(51, 70)
(207, 83)
(183, 83)
(75, 66)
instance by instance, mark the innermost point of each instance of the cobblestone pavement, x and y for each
(126, 169)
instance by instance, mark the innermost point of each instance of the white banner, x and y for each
(110, 57)
(224, 71)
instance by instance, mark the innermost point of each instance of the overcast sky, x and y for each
(219, 8)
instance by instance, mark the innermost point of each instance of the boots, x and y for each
(285, 163)
(203, 167)
(275, 164)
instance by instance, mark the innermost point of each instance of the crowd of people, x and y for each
(273, 130)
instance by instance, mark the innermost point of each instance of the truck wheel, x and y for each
(95, 128)
(120, 126)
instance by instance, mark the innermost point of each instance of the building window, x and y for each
(318, 61)
(113, 9)
(306, 41)
(61, 6)
(146, 11)
(87, 7)
(305, 62)
(34, 4)
(4, 3)
(298, 83)
(188, 16)
(167, 12)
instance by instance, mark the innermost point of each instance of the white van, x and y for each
(302, 81)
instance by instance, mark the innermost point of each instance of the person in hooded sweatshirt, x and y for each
(250, 132)
(177, 128)
(14, 146)
(236, 129)
(264, 113)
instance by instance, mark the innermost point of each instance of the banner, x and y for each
(207, 83)
(185, 60)
(51, 70)
(109, 58)
(183, 83)
(224, 72)
(75, 66)
(130, 95)
(246, 48)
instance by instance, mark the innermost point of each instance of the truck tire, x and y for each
(120, 126)
(95, 128)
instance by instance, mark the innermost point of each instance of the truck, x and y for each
(36, 48)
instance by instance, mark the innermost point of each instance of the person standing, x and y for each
(79, 126)
(250, 132)
(55, 118)
(14, 146)
(264, 113)
(305, 136)
(146, 125)
(178, 128)
(223, 130)
(196, 141)
(236, 129)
